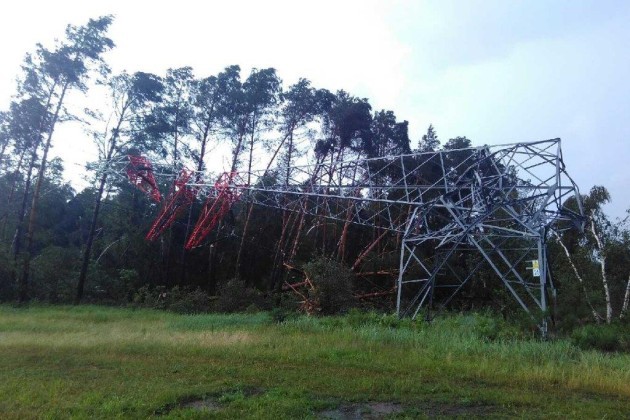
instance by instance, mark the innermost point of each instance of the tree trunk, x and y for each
(251, 148)
(242, 244)
(176, 135)
(251, 205)
(596, 315)
(17, 238)
(344, 233)
(5, 216)
(237, 151)
(23, 286)
(367, 250)
(279, 254)
(87, 252)
(341, 248)
(97, 206)
(298, 234)
(237, 269)
(16, 243)
(602, 265)
(3, 150)
(202, 154)
(286, 217)
(626, 300)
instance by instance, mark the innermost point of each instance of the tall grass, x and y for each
(92, 361)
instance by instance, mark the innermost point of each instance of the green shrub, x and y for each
(614, 337)
(235, 296)
(332, 286)
(188, 301)
(53, 276)
(181, 300)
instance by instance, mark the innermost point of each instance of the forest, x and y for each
(59, 245)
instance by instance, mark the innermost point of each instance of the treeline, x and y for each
(58, 245)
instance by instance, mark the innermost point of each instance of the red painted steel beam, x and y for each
(140, 174)
(180, 197)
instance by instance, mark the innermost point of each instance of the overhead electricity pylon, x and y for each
(462, 213)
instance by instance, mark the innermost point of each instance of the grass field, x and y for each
(97, 362)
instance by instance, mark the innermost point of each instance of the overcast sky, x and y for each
(494, 71)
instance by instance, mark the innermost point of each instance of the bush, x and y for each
(53, 275)
(147, 297)
(234, 296)
(181, 300)
(332, 286)
(103, 286)
(188, 301)
(614, 337)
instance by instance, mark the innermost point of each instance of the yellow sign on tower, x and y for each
(535, 268)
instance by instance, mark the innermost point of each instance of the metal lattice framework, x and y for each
(218, 203)
(460, 213)
(181, 196)
(140, 173)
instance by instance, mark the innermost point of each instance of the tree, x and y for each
(618, 257)
(623, 235)
(346, 126)
(597, 225)
(5, 138)
(390, 137)
(589, 255)
(454, 162)
(260, 94)
(50, 77)
(429, 141)
(130, 96)
(29, 121)
(22, 128)
(231, 124)
(210, 100)
(175, 113)
(234, 115)
(301, 104)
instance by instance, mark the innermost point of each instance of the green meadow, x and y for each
(100, 362)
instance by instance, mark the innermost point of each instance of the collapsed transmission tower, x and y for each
(461, 213)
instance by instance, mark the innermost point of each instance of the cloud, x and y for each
(572, 84)
(493, 70)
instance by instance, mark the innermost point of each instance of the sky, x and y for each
(494, 71)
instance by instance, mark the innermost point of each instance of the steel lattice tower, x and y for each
(460, 212)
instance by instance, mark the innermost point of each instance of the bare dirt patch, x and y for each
(208, 404)
(211, 402)
(381, 410)
(370, 410)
